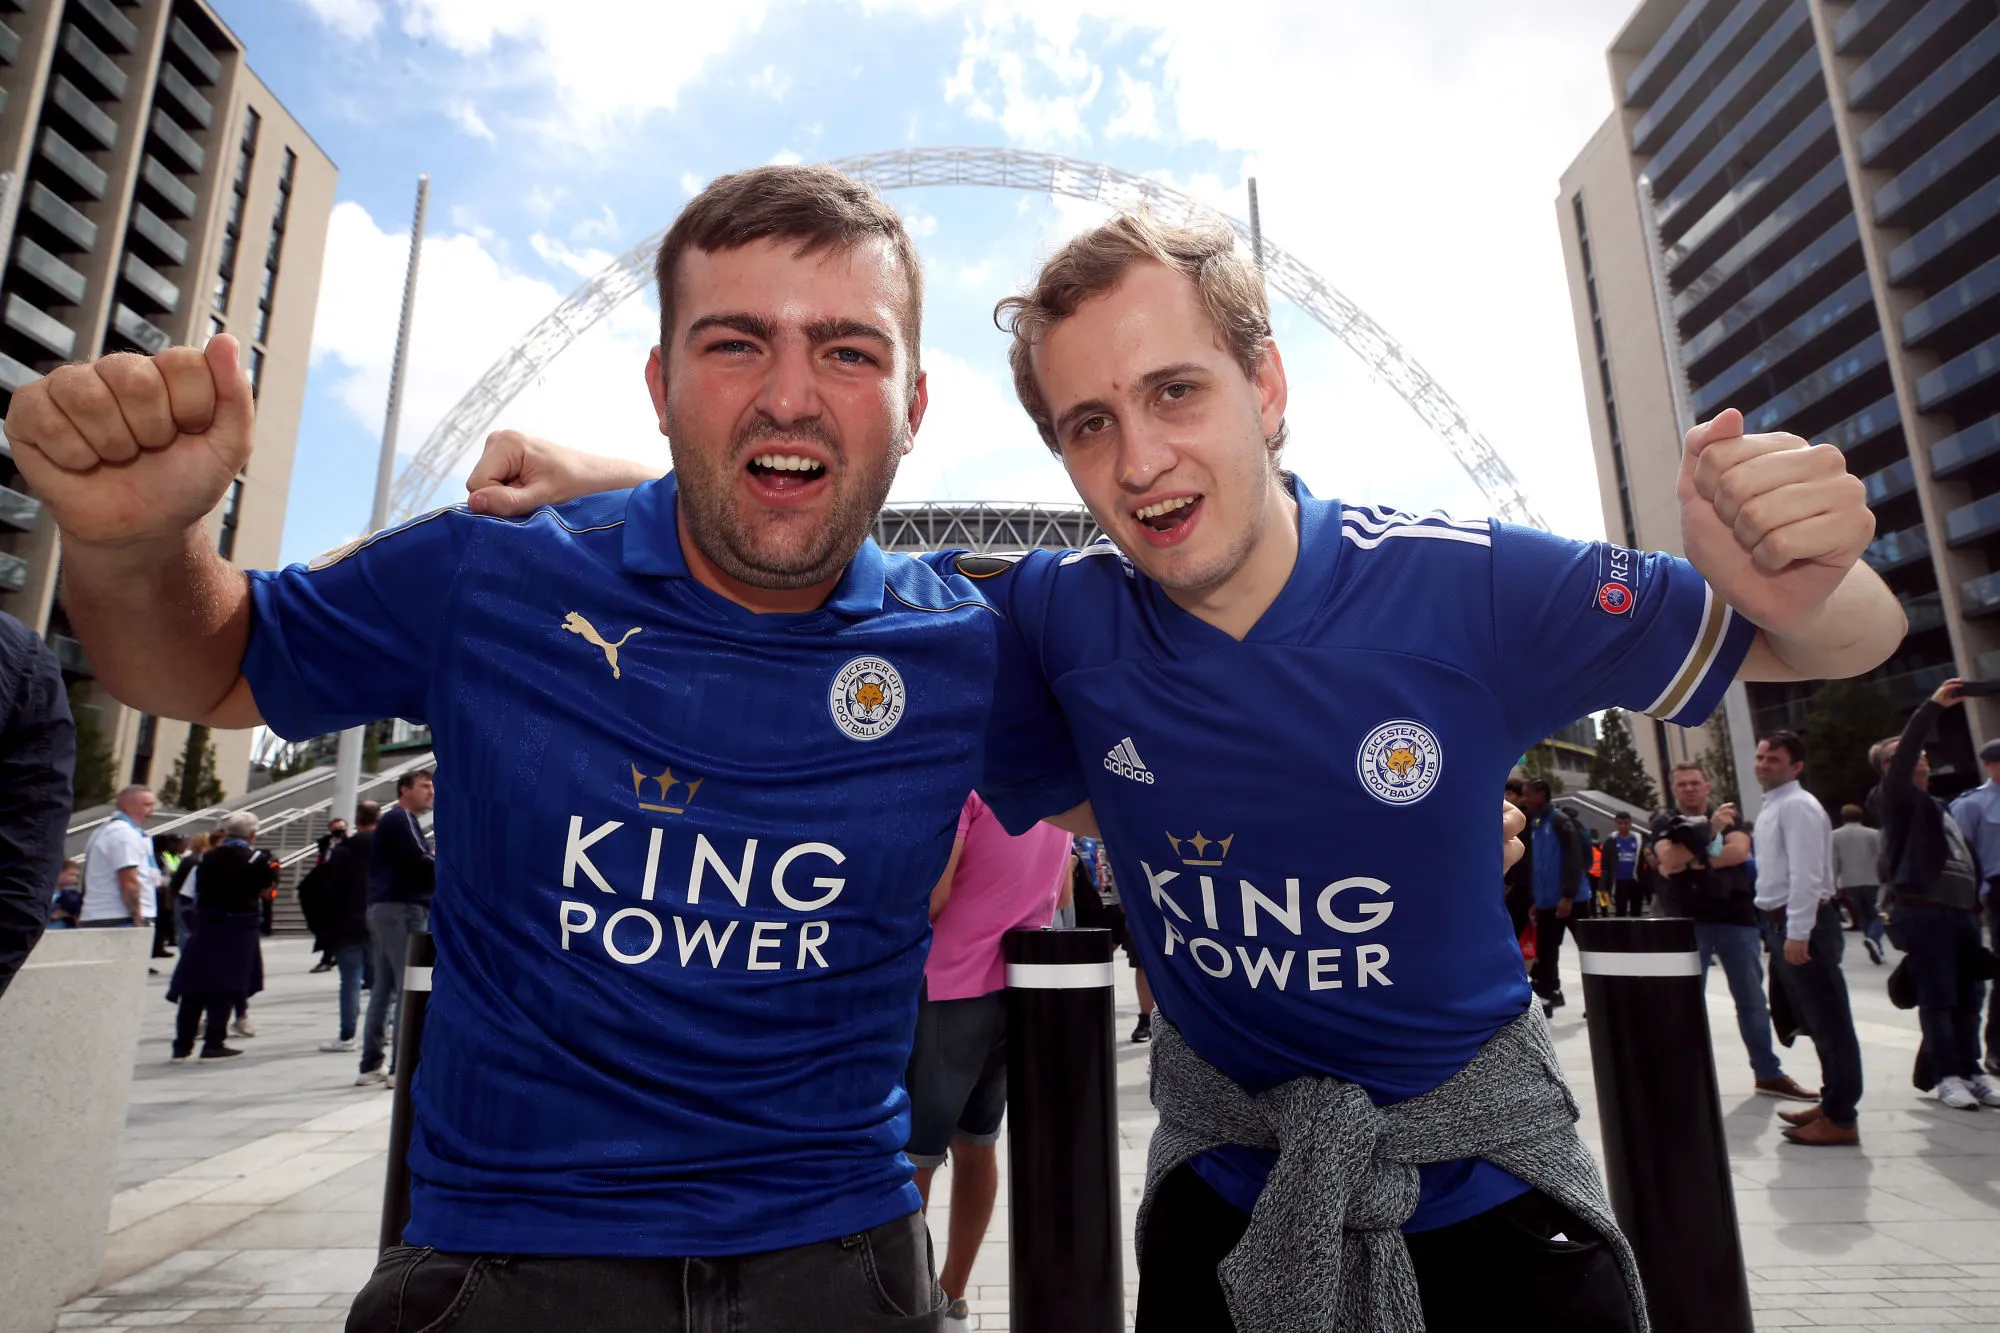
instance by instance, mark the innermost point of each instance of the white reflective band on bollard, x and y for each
(1640, 964)
(1060, 976)
(419, 978)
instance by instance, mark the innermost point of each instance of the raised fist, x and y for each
(134, 448)
(519, 473)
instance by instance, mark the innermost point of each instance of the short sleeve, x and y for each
(351, 638)
(1030, 770)
(1585, 626)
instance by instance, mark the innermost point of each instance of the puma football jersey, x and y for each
(1303, 824)
(684, 863)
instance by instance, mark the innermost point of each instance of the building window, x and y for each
(232, 511)
(279, 214)
(256, 372)
(1604, 374)
(214, 325)
(142, 750)
(232, 231)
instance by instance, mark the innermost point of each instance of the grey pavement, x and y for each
(250, 1191)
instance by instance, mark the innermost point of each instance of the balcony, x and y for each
(176, 140)
(1899, 478)
(18, 511)
(1966, 149)
(10, 45)
(1972, 522)
(1759, 127)
(1970, 222)
(1808, 146)
(1880, 79)
(1980, 596)
(70, 655)
(1824, 194)
(175, 195)
(180, 93)
(1955, 453)
(1837, 251)
(46, 269)
(137, 330)
(1721, 48)
(1646, 81)
(1852, 298)
(1863, 357)
(13, 573)
(1866, 26)
(1925, 612)
(151, 283)
(110, 22)
(14, 377)
(72, 102)
(94, 62)
(1954, 87)
(1907, 689)
(1866, 426)
(1893, 550)
(191, 49)
(1959, 375)
(51, 208)
(89, 177)
(152, 228)
(51, 333)
(1976, 293)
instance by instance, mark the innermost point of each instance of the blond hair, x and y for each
(1095, 261)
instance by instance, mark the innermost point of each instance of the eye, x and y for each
(1093, 426)
(852, 356)
(732, 346)
(1178, 391)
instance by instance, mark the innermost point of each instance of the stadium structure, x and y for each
(943, 526)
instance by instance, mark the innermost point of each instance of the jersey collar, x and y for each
(1299, 603)
(652, 546)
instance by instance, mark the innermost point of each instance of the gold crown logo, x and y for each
(665, 781)
(1200, 847)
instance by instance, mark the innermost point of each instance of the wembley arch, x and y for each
(466, 424)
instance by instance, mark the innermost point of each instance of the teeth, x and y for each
(1164, 507)
(787, 463)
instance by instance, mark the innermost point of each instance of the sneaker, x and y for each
(180, 1059)
(348, 1045)
(241, 1027)
(220, 1053)
(1786, 1087)
(323, 965)
(1141, 1031)
(958, 1316)
(372, 1078)
(1874, 950)
(1982, 1088)
(1554, 1000)
(1954, 1092)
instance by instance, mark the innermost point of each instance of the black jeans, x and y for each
(1549, 932)
(1501, 1269)
(194, 1008)
(1817, 989)
(1626, 899)
(1993, 999)
(877, 1281)
(1949, 997)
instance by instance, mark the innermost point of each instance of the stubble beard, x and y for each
(781, 550)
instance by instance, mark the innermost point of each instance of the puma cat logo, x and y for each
(576, 624)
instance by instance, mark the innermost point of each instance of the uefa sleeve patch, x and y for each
(1617, 589)
(982, 565)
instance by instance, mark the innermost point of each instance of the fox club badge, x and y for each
(867, 698)
(1399, 762)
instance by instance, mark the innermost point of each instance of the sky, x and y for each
(1408, 153)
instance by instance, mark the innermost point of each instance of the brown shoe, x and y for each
(1801, 1118)
(1784, 1086)
(1823, 1133)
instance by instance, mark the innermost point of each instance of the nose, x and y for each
(790, 392)
(1145, 454)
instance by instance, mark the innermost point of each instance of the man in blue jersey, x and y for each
(702, 748)
(1324, 695)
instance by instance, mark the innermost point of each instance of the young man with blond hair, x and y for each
(1324, 696)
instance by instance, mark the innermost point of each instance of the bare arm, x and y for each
(1842, 636)
(130, 454)
(129, 890)
(517, 474)
(1735, 850)
(941, 894)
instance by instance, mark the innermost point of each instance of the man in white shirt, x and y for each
(1794, 841)
(120, 877)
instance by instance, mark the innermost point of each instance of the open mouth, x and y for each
(1166, 521)
(785, 476)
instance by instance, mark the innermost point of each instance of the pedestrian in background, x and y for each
(168, 849)
(343, 927)
(68, 900)
(120, 878)
(336, 833)
(1094, 889)
(1623, 852)
(1978, 815)
(222, 963)
(1555, 863)
(1855, 850)
(1794, 841)
(957, 1077)
(37, 757)
(179, 892)
(402, 873)
(1931, 896)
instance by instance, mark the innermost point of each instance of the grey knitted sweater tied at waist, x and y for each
(1324, 1252)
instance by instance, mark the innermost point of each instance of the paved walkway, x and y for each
(250, 1192)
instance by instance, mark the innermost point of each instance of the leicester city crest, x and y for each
(867, 698)
(1399, 762)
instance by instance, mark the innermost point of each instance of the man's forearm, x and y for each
(165, 625)
(1852, 632)
(128, 889)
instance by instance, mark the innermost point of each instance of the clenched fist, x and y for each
(1773, 524)
(134, 449)
(518, 473)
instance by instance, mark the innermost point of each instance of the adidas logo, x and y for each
(1126, 763)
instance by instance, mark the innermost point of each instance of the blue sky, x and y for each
(1410, 156)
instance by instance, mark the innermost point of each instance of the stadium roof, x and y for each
(983, 526)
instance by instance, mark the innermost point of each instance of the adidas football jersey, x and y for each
(685, 856)
(1303, 824)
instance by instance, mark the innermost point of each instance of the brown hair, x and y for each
(1687, 766)
(1852, 814)
(1093, 263)
(817, 207)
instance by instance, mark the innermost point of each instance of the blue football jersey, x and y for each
(685, 856)
(1303, 824)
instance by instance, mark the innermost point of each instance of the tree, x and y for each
(194, 785)
(1540, 762)
(1617, 769)
(1844, 718)
(1719, 760)
(95, 770)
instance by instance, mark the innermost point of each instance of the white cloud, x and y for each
(976, 443)
(772, 82)
(920, 225)
(583, 263)
(785, 157)
(1138, 116)
(352, 19)
(466, 116)
(690, 184)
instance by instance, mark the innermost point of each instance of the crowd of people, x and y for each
(1905, 869)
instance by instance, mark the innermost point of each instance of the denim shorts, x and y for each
(958, 1075)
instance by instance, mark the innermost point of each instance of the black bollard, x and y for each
(410, 1005)
(1666, 1159)
(1066, 1266)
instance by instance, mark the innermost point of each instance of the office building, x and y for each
(152, 192)
(1794, 209)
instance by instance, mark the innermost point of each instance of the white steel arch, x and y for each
(466, 423)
